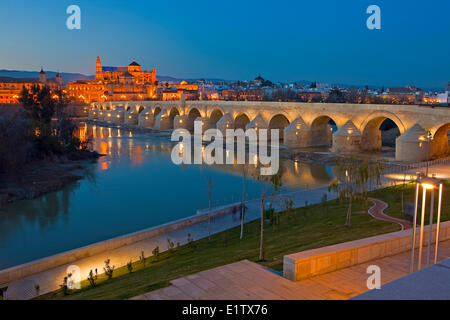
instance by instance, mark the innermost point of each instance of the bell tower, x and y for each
(98, 69)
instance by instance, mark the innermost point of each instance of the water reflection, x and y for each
(133, 187)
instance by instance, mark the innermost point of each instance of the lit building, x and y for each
(11, 88)
(116, 83)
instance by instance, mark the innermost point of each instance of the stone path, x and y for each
(377, 212)
(248, 280)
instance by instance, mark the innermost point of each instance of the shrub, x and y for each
(155, 252)
(91, 279)
(142, 258)
(109, 270)
(170, 244)
(130, 266)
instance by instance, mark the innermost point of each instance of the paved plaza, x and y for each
(248, 280)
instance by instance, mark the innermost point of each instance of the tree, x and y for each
(275, 182)
(336, 96)
(210, 207)
(243, 202)
(354, 179)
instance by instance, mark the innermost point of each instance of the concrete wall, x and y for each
(24, 270)
(310, 263)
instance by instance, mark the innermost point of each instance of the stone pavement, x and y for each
(377, 212)
(248, 280)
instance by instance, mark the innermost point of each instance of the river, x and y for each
(134, 187)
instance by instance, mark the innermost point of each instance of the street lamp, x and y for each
(426, 184)
(429, 139)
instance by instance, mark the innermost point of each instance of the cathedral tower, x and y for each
(42, 76)
(98, 69)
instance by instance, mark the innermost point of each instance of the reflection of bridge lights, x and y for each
(181, 148)
(296, 166)
(255, 160)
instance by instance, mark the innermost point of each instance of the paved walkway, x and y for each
(377, 212)
(248, 280)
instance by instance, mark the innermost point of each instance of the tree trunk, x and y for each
(210, 208)
(261, 243)
(349, 213)
(243, 207)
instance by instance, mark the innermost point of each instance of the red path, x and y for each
(377, 212)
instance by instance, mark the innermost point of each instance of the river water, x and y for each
(134, 187)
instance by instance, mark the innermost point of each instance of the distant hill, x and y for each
(67, 77)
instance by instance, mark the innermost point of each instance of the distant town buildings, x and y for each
(131, 82)
(11, 88)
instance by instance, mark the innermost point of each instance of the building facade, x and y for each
(11, 88)
(115, 84)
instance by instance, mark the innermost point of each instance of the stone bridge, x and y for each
(346, 128)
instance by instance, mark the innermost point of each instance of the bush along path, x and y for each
(377, 212)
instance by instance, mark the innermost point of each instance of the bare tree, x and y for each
(243, 202)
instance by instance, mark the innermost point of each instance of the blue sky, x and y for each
(285, 40)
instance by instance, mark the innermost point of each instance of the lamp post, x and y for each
(426, 184)
(429, 139)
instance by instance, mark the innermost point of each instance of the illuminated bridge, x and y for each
(346, 128)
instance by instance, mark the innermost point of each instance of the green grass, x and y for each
(394, 198)
(298, 230)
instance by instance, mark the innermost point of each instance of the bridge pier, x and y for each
(146, 118)
(163, 122)
(224, 123)
(412, 145)
(182, 122)
(347, 139)
(297, 134)
(131, 117)
(93, 114)
(118, 116)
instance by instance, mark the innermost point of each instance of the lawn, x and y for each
(298, 230)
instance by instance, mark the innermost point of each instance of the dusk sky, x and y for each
(281, 40)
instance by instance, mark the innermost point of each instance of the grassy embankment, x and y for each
(298, 230)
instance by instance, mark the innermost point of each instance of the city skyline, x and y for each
(324, 42)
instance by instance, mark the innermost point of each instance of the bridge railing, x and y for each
(407, 167)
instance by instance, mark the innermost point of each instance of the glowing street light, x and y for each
(426, 184)
(429, 139)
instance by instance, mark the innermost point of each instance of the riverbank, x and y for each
(297, 230)
(42, 177)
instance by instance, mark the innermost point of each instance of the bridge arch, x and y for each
(440, 145)
(372, 138)
(241, 121)
(172, 113)
(156, 111)
(214, 117)
(321, 131)
(193, 114)
(280, 122)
